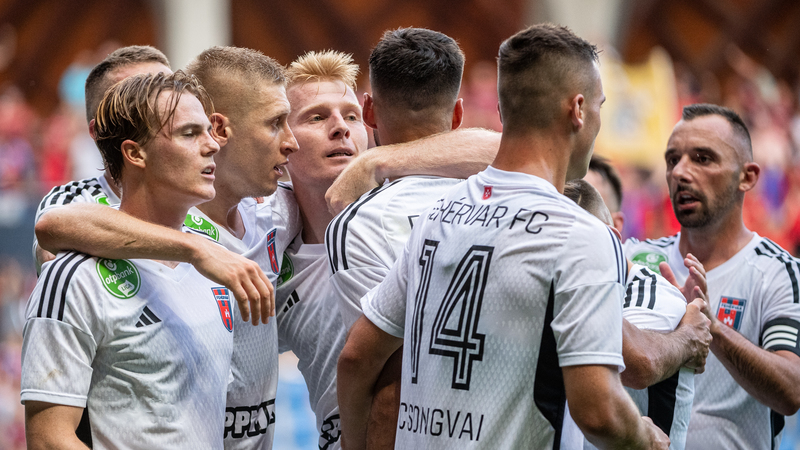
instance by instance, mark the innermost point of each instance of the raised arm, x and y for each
(605, 413)
(360, 363)
(454, 154)
(105, 232)
(50, 426)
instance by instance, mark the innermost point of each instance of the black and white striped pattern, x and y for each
(336, 234)
(56, 283)
(63, 195)
(781, 334)
(622, 263)
(641, 291)
(772, 250)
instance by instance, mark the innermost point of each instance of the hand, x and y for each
(357, 179)
(43, 255)
(657, 438)
(695, 327)
(253, 291)
(696, 278)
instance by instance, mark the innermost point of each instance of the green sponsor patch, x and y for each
(287, 270)
(651, 260)
(103, 200)
(200, 224)
(120, 277)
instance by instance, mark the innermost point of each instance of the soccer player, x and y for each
(508, 295)
(250, 122)
(604, 177)
(239, 274)
(651, 303)
(144, 345)
(415, 75)
(753, 371)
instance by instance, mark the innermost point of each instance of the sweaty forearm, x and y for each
(102, 231)
(770, 377)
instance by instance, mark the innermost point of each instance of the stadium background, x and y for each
(658, 55)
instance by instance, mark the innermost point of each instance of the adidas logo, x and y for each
(147, 318)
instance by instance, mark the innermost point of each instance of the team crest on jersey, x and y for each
(731, 311)
(120, 277)
(273, 258)
(223, 298)
(287, 270)
(487, 192)
(651, 260)
(202, 225)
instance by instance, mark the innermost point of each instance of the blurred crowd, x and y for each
(39, 151)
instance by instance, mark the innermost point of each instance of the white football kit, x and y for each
(503, 282)
(366, 238)
(250, 409)
(90, 190)
(652, 303)
(144, 347)
(309, 324)
(756, 293)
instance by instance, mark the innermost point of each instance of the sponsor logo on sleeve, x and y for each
(287, 270)
(273, 257)
(731, 311)
(200, 224)
(223, 298)
(119, 276)
(651, 260)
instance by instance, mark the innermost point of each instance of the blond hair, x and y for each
(324, 65)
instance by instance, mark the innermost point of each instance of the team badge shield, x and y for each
(223, 298)
(731, 311)
(273, 258)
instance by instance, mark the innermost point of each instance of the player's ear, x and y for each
(92, 131)
(576, 111)
(133, 154)
(369, 112)
(220, 128)
(458, 114)
(749, 176)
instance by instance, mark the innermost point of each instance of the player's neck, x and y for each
(223, 210)
(113, 184)
(152, 207)
(536, 154)
(715, 244)
(313, 211)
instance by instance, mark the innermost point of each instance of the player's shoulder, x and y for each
(68, 272)
(80, 190)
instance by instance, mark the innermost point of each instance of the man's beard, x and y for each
(708, 212)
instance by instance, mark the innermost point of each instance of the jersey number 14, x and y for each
(454, 333)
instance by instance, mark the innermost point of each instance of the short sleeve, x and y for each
(781, 314)
(61, 334)
(587, 316)
(385, 305)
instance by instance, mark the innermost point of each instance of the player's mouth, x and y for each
(340, 152)
(279, 168)
(685, 199)
(209, 171)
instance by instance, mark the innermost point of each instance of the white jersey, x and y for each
(366, 238)
(506, 281)
(756, 293)
(652, 303)
(90, 190)
(250, 409)
(145, 348)
(309, 324)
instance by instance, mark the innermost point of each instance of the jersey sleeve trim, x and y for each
(378, 320)
(36, 395)
(637, 292)
(336, 234)
(772, 250)
(65, 194)
(56, 284)
(781, 334)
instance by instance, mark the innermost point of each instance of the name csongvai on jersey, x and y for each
(439, 422)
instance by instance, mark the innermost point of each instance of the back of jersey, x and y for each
(506, 281)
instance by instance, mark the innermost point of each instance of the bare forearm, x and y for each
(102, 231)
(455, 154)
(650, 356)
(49, 426)
(770, 377)
(355, 394)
